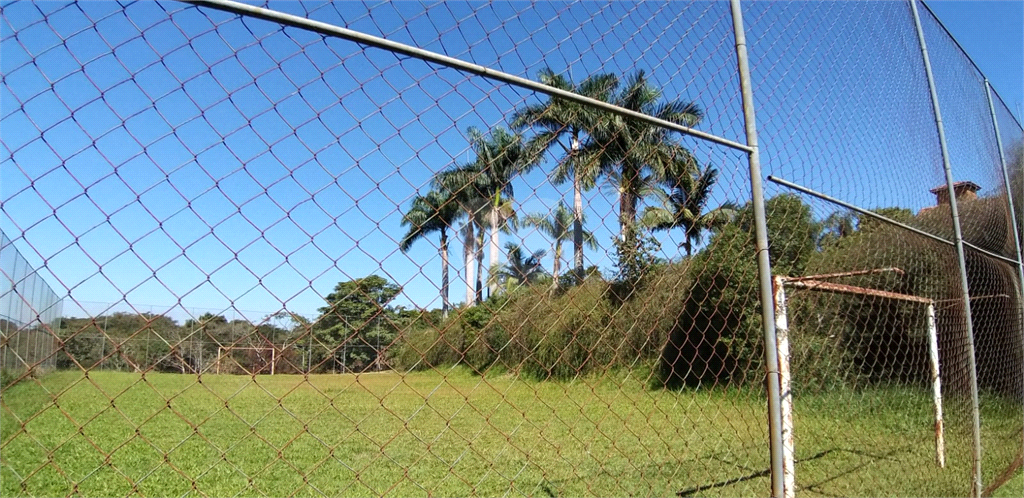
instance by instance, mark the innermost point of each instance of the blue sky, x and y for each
(175, 158)
(992, 32)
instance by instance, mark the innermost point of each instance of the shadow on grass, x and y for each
(766, 472)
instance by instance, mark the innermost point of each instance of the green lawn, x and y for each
(453, 433)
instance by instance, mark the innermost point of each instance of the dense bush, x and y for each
(699, 320)
(854, 339)
(542, 335)
(718, 337)
(883, 340)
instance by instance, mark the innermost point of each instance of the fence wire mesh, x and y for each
(470, 287)
(30, 314)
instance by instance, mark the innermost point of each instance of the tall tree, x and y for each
(459, 183)
(433, 212)
(637, 151)
(499, 158)
(558, 119)
(685, 203)
(356, 317)
(557, 225)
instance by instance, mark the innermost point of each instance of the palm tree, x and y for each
(637, 151)
(557, 226)
(521, 269)
(485, 185)
(560, 117)
(686, 201)
(434, 212)
(458, 184)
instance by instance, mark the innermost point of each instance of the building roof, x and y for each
(973, 187)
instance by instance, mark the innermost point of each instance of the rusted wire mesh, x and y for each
(867, 135)
(466, 286)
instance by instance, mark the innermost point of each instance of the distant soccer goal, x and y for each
(252, 360)
(819, 283)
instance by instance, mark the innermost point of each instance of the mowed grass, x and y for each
(451, 433)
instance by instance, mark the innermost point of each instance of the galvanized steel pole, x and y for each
(958, 240)
(764, 271)
(1013, 213)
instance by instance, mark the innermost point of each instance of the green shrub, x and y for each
(7, 378)
(718, 338)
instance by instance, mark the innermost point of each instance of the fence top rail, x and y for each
(833, 200)
(458, 64)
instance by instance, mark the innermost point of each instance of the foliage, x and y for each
(637, 152)
(356, 325)
(560, 118)
(581, 330)
(521, 269)
(554, 338)
(144, 342)
(718, 337)
(636, 257)
(558, 226)
(483, 188)
(430, 213)
(7, 377)
(687, 196)
(884, 339)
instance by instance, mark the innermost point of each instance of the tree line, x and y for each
(640, 159)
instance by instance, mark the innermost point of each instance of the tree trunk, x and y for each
(469, 251)
(479, 265)
(628, 190)
(445, 305)
(577, 210)
(492, 288)
(557, 265)
(627, 214)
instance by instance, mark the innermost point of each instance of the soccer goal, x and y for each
(257, 358)
(820, 283)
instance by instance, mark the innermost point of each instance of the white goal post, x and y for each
(818, 283)
(228, 349)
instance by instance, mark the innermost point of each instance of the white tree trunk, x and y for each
(577, 225)
(469, 251)
(577, 210)
(495, 254)
(445, 305)
(479, 265)
(557, 265)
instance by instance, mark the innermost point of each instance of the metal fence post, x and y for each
(959, 242)
(1013, 213)
(764, 270)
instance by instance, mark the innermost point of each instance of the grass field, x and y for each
(453, 433)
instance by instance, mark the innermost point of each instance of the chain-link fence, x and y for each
(511, 248)
(30, 312)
